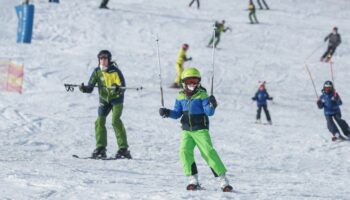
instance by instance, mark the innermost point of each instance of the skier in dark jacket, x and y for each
(109, 79)
(261, 97)
(260, 6)
(193, 2)
(330, 101)
(104, 4)
(334, 40)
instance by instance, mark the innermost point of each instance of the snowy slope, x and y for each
(293, 159)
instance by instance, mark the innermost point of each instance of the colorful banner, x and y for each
(11, 76)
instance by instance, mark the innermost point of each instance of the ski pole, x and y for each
(332, 74)
(70, 87)
(160, 74)
(213, 56)
(313, 83)
(313, 52)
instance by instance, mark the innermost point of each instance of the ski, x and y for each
(341, 132)
(262, 123)
(89, 157)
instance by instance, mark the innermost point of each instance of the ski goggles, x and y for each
(191, 81)
(103, 57)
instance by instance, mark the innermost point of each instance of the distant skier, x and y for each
(181, 58)
(260, 6)
(104, 4)
(193, 2)
(330, 101)
(334, 40)
(261, 97)
(109, 79)
(252, 13)
(194, 106)
(219, 28)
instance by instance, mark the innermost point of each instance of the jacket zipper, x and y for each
(189, 114)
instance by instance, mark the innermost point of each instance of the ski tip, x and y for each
(75, 156)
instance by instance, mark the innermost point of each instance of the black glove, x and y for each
(319, 103)
(212, 101)
(271, 98)
(82, 88)
(190, 58)
(253, 98)
(164, 112)
(116, 87)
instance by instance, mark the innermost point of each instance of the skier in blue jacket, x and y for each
(261, 97)
(330, 101)
(194, 106)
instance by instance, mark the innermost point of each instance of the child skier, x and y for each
(261, 97)
(194, 106)
(181, 58)
(330, 101)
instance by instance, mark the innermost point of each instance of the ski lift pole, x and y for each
(331, 66)
(70, 87)
(313, 83)
(160, 74)
(213, 56)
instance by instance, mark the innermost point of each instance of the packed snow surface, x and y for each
(292, 159)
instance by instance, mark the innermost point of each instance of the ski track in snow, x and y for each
(292, 159)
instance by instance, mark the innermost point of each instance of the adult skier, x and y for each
(194, 106)
(219, 28)
(181, 58)
(197, 1)
(330, 101)
(109, 79)
(261, 97)
(252, 12)
(334, 40)
(265, 4)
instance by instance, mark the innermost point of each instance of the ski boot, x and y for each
(224, 183)
(123, 153)
(328, 58)
(99, 152)
(335, 137)
(193, 183)
(269, 122)
(258, 121)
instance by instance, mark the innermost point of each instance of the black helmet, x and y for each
(328, 86)
(335, 28)
(105, 53)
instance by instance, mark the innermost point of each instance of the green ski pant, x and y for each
(201, 139)
(217, 40)
(254, 16)
(118, 126)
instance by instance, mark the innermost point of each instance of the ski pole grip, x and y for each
(69, 87)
